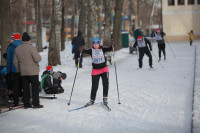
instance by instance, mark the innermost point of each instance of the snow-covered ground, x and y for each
(152, 101)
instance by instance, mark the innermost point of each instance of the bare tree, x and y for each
(98, 8)
(107, 21)
(63, 33)
(54, 50)
(82, 17)
(117, 25)
(136, 11)
(91, 22)
(38, 25)
(6, 27)
(17, 13)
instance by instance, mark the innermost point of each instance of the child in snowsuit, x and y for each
(51, 81)
(143, 49)
(191, 36)
(99, 69)
(159, 36)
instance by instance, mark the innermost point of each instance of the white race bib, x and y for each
(141, 43)
(158, 37)
(97, 56)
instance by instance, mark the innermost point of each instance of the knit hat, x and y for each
(16, 36)
(95, 40)
(139, 38)
(49, 68)
(26, 37)
(158, 30)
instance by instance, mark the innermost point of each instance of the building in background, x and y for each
(180, 17)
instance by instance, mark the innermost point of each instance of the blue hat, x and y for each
(95, 40)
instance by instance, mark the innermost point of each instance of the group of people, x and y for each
(144, 46)
(23, 59)
(21, 73)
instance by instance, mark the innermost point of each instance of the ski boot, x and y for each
(90, 103)
(105, 100)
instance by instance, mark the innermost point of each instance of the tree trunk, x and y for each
(6, 27)
(107, 22)
(136, 11)
(74, 8)
(91, 21)
(82, 17)
(118, 25)
(99, 10)
(63, 33)
(38, 25)
(54, 50)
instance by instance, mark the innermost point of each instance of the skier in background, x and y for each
(159, 36)
(77, 42)
(142, 42)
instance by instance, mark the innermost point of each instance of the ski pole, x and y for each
(157, 59)
(116, 73)
(171, 50)
(75, 79)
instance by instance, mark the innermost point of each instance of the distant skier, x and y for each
(99, 69)
(77, 42)
(159, 36)
(191, 37)
(142, 42)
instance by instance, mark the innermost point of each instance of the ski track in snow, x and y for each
(153, 101)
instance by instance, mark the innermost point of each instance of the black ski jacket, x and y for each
(146, 42)
(78, 42)
(104, 49)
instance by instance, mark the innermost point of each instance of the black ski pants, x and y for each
(143, 51)
(13, 83)
(34, 81)
(161, 47)
(77, 56)
(95, 85)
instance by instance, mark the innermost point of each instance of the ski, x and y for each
(3, 110)
(105, 106)
(82, 107)
(48, 97)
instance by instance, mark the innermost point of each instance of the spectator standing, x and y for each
(26, 61)
(12, 74)
(191, 37)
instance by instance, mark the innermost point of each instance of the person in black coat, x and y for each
(142, 42)
(159, 36)
(77, 42)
